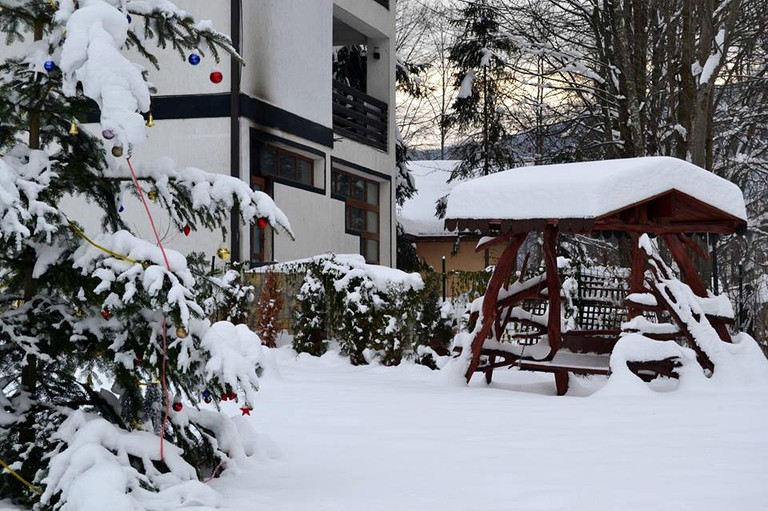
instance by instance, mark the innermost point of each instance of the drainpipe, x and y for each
(234, 119)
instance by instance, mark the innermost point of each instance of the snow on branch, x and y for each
(24, 175)
(97, 467)
(91, 55)
(191, 195)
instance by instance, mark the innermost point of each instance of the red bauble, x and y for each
(207, 399)
(225, 397)
(187, 230)
(105, 314)
(177, 406)
(216, 77)
(262, 223)
(246, 410)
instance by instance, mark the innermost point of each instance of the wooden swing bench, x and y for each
(671, 214)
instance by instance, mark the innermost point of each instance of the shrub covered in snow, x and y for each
(367, 308)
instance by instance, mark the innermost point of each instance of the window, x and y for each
(281, 163)
(361, 197)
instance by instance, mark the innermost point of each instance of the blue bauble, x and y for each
(128, 17)
(49, 65)
(194, 59)
(120, 209)
(206, 393)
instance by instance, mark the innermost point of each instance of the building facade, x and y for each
(323, 150)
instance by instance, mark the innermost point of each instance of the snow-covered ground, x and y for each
(338, 437)
(376, 438)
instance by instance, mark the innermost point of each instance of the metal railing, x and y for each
(359, 117)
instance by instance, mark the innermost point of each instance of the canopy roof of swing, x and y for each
(658, 195)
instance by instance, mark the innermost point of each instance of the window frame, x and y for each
(280, 153)
(350, 202)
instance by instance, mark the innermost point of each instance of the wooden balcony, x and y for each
(359, 117)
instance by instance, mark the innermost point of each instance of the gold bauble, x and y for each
(181, 332)
(223, 253)
(152, 195)
(146, 264)
(150, 121)
(79, 313)
(73, 129)
(117, 151)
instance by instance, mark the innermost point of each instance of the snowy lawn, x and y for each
(376, 438)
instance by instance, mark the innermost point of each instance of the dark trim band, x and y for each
(360, 168)
(263, 136)
(206, 106)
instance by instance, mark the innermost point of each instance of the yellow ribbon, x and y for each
(81, 234)
(17, 476)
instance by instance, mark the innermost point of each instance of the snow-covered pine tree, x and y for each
(80, 310)
(479, 56)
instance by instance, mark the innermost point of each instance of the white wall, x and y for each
(287, 48)
(318, 223)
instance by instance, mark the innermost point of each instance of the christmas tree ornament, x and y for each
(177, 407)
(193, 59)
(181, 332)
(121, 208)
(207, 396)
(152, 195)
(105, 313)
(223, 253)
(187, 229)
(262, 223)
(108, 134)
(128, 17)
(146, 264)
(89, 380)
(49, 65)
(246, 409)
(150, 121)
(73, 129)
(216, 77)
(79, 313)
(207, 399)
(117, 151)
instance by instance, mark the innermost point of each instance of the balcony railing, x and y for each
(359, 117)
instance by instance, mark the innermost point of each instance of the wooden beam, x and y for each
(720, 227)
(501, 274)
(497, 240)
(637, 275)
(682, 258)
(703, 359)
(553, 287)
(691, 277)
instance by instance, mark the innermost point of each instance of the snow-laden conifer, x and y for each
(84, 315)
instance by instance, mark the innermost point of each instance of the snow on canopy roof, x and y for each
(417, 215)
(588, 189)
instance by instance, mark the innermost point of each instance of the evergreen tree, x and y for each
(80, 310)
(479, 56)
